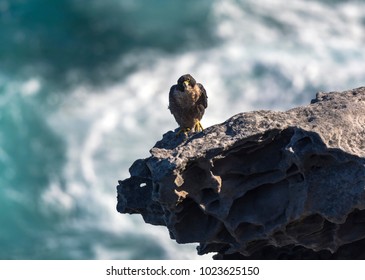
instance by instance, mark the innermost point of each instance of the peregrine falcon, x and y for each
(187, 102)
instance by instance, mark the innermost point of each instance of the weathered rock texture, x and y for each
(263, 184)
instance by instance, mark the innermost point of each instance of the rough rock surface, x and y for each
(263, 184)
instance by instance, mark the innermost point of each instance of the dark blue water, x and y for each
(83, 92)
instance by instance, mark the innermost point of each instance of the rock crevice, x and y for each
(263, 184)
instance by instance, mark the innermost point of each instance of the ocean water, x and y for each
(84, 92)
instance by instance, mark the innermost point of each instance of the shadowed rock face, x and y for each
(263, 184)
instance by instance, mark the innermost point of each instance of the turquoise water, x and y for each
(83, 93)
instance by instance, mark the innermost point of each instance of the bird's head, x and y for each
(186, 80)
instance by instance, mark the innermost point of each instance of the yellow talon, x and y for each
(198, 126)
(185, 130)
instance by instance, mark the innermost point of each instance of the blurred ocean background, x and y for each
(84, 92)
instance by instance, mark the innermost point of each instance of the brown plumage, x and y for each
(187, 102)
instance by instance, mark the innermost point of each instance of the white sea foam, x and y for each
(272, 55)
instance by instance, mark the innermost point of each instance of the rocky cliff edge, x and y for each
(263, 184)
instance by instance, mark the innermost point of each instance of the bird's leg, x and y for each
(198, 127)
(184, 130)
